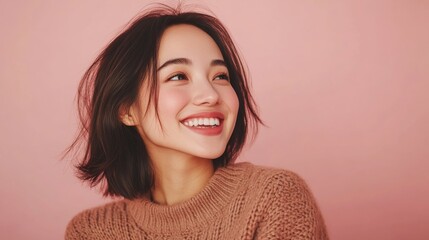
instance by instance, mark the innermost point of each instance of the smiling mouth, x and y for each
(202, 122)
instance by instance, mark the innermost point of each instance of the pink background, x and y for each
(342, 85)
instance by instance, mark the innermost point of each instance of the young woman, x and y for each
(165, 111)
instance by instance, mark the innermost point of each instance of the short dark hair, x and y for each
(114, 153)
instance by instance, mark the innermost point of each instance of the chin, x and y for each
(202, 149)
(210, 154)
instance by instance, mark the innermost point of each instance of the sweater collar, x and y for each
(199, 210)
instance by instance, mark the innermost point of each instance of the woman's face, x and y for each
(197, 105)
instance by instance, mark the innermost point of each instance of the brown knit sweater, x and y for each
(241, 201)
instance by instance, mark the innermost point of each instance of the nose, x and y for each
(205, 94)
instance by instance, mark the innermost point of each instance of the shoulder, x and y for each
(270, 177)
(286, 206)
(268, 185)
(93, 223)
(275, 187)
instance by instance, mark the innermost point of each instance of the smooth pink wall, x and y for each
(342, 85)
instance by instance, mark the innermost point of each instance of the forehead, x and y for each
(187, 41)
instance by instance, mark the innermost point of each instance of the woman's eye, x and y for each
(222, 76)
(178, 77)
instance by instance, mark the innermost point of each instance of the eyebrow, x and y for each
(186, 61)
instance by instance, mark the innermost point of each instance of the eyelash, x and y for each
(183, 76)
(223, 76)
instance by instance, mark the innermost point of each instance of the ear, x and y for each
(127, 116)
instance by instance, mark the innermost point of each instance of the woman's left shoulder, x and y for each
(289, 207)
(273, 177)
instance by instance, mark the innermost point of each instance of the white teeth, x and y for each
(202, 122)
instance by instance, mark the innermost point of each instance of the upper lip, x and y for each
(205, 115)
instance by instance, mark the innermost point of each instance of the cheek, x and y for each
(171, 101)
(230, 98)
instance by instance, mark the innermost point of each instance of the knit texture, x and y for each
(241, 201)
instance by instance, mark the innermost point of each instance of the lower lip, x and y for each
(208, 131)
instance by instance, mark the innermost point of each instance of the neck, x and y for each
(177, 180)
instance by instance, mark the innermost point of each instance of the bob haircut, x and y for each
(114, 154)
